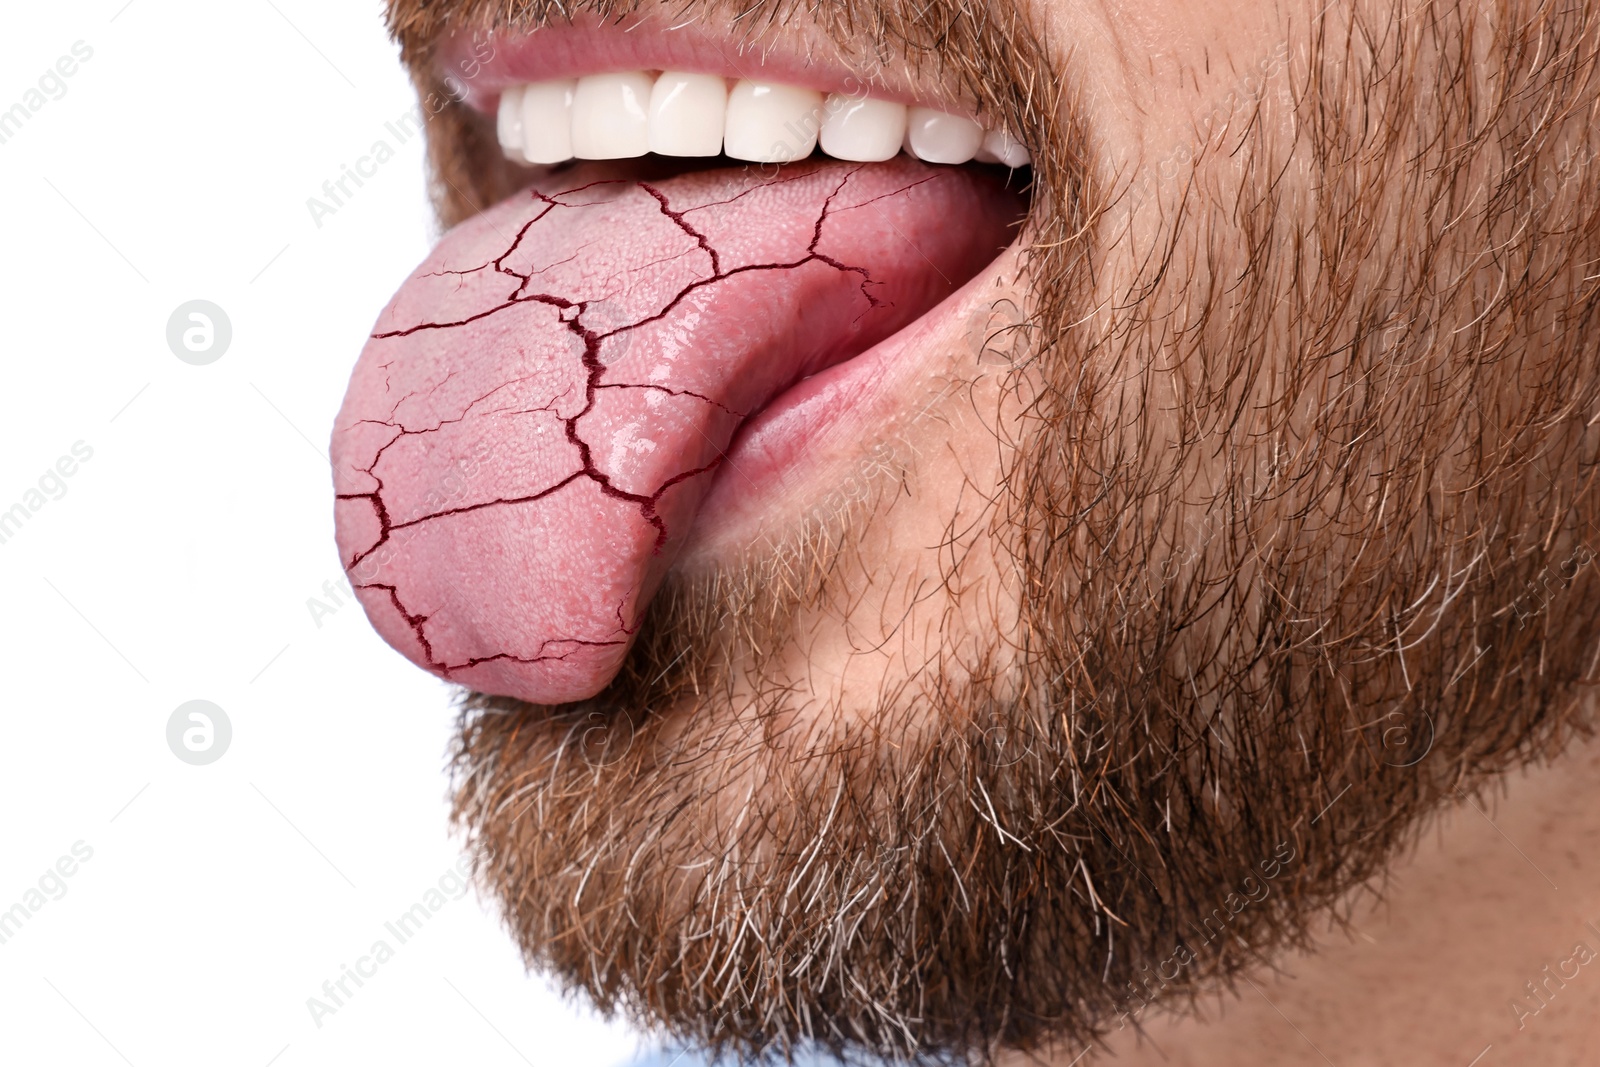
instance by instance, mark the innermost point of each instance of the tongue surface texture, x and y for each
(541, 407)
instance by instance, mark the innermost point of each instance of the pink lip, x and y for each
(827, 416)
(478, 67)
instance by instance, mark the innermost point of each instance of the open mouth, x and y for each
(685, 310)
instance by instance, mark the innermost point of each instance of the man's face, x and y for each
(930, 607)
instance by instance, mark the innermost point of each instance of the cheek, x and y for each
(1160, 76)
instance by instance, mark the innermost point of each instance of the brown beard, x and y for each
(1300, 508)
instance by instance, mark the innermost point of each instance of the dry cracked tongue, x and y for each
(545, 402)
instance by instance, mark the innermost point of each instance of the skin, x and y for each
(1221, 478)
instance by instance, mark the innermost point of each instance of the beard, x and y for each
(1290, 543)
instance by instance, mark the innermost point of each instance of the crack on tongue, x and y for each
(386, 526)
(417, 622)
(572, 314)
(518, 296)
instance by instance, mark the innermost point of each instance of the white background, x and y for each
(179, 563)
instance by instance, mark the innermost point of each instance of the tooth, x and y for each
(509, 122)
(999, 146)
(771, 123)
(611, 115)
(862, 129)
(547, 121)
(939, 137)
(686, 114)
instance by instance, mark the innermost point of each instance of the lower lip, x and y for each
(790, 445)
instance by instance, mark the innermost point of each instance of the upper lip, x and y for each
(478, 66)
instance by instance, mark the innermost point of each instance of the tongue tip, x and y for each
(546, 684)
(565, 671)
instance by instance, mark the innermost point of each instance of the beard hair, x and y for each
(1299, 518)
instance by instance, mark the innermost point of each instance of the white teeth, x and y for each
(940, 137)
(628, 113)
(862, 129)
(687, 112)
(509, 122)
(611, 116)
(547, 121)
(771, 123)
(999, 146)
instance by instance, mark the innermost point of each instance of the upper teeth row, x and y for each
(626, 114)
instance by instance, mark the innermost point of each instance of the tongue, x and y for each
(544, 403)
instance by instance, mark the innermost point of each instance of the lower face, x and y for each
(891, 627)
